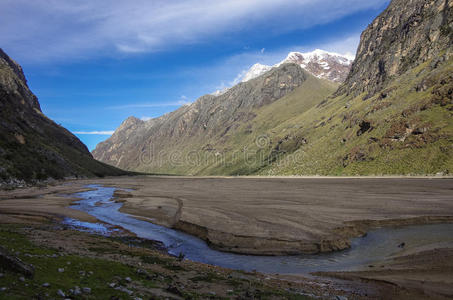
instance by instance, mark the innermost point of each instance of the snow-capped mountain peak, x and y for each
(322, 64)
(255, 71)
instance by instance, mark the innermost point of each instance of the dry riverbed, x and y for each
(274, 216)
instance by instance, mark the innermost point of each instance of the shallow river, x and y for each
(375, 246)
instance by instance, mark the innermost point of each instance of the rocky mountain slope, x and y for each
(33, 147)
(199, 131)
(405, 35)
(392, 115)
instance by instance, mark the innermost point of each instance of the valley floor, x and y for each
(245, 215)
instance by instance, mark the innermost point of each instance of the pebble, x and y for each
(125, 290)
(46, 284)
(90, 272)
(82, 273)
(60, 270)
(128, 279)
(3, 289)
(86, 290)
(112, 285)
(61, 293)
(22, 279)
(77, 291)
(212, 293)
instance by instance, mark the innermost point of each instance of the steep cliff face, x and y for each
(406, 34)
(198, 126)
(33, 147)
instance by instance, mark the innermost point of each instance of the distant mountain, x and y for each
(33, 147)
(322, 64)
(209, 125)
(392, 114)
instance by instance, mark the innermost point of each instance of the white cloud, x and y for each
(108, 132)
(146, 118)
(148, 105)
(346, 46)
(52, 29)
(183, 100)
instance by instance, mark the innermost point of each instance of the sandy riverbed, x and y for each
(277, 215)
(262, 216)
(274, 216)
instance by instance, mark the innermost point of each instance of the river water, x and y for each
(375, 246)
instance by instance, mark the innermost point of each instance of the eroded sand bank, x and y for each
(275, 216)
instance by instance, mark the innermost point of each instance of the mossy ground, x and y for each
(95, 262)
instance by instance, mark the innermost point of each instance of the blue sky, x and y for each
(94, 63)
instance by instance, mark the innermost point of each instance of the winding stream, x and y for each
(375, 246)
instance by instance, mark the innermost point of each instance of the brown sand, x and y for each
(264, 216)
(287, 215)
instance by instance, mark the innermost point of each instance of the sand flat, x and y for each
(262, 215)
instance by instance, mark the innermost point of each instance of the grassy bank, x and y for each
(83, 266)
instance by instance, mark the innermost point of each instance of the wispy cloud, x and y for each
(42, 30)
(147, 105)
(107, 132)
(183, 100)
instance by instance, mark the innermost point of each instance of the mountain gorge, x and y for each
(391, 115)
(33, 147)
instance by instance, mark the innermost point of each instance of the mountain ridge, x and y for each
(33, 147)
(208, 117)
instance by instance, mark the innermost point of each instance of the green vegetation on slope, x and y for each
(405, 129)
(243, 150)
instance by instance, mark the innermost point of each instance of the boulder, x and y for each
(12, 263)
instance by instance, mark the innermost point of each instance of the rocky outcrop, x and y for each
(33, 147)
(406, 34)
